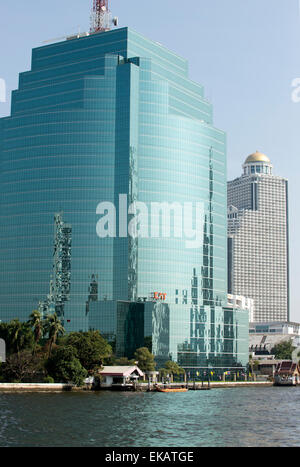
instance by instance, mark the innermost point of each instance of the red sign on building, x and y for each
(159, 296)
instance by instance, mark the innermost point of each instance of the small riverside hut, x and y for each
(120, 376)
(287, 373)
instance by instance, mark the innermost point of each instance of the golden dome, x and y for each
(257, 157)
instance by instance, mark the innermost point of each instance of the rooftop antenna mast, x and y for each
(101, 19)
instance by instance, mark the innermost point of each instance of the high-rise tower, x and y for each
(258, 239)
(112, 119)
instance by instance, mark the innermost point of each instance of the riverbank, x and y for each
(39, 387)
(59, 387)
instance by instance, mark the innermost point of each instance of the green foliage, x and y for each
(48, 379)
(173, 368)
(90, 347)
(54, 328)
(283, 351)
(164, 372)
(20, 366)
(64, 366)
(77, 353)
(255, 365)
(36, 322)
(17, 336)
(123, 361)
(145, 359)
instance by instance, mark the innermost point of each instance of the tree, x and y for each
(145, 359)
(174, 368)
(17, 336)
(123, 361)
(119, 361)
(64, 366)
(36, 322)
(284, 350)
(21, 365)
(54, 328)
(253, 365)
(91, 348)
(164, 373)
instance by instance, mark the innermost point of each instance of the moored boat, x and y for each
(158, 389)
(287, 373)
(284, 381)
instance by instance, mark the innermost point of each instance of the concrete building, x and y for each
(275, 327)
(258, 239)
(264, 336)
(243, 303)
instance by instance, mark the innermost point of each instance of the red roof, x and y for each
(287, 366)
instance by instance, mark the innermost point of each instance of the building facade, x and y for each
(103, 129)
(277, 327)
(244, 303)
(258, 239)
(199, 339)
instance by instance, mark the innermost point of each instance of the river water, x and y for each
(233, 417)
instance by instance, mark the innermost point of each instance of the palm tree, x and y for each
(36, 322)
(54, 328)
(16, 335)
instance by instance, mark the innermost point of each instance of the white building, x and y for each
(120, 375)
(258, 239)
(276, 327)
(244, 303)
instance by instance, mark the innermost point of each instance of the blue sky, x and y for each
(245, 52)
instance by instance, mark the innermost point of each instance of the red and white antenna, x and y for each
(101, 19)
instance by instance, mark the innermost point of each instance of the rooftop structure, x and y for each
(262, 344)
(243, 303)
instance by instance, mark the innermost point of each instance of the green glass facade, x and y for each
(199, 339)
(97, 117)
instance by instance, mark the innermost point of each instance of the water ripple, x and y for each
(221, 417)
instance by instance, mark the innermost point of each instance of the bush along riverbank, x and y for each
(39, 351)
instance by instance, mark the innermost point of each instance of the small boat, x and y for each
(284, 380)
(287, 373)
(158, 389)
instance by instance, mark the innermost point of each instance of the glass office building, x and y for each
(200, 339)
(110, 118)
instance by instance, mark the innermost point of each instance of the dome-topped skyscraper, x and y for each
(257, 163)
(258, 238)
(257, 157)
